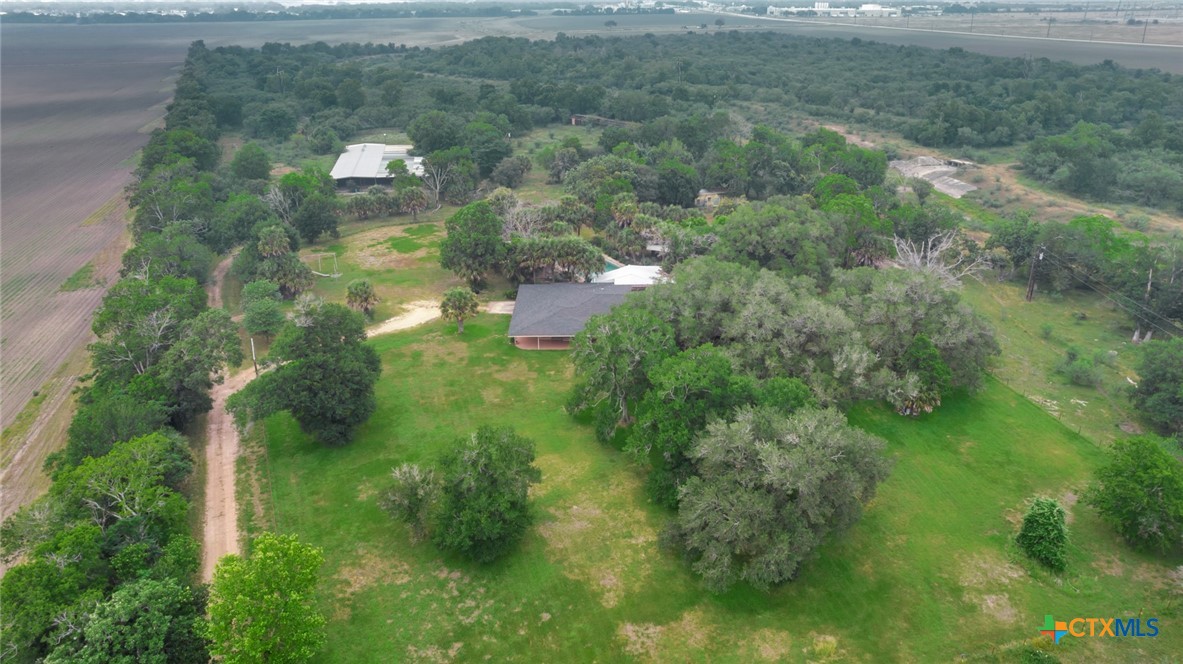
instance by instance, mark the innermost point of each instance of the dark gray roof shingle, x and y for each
(561, 310)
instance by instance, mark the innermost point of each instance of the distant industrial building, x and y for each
(824, 9)
(877, 10)
(365, 163)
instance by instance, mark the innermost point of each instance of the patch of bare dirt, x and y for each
(999, 608)
(559, 472)
(1111, 566)
(434, 654)
(1154, 576)
(640, 640)
(1014, 516)
(369, 568)
(365, 492)
(415, 313)
(372, 251)
(851, 138)
(1069, 500)
(379, 257)
(491, 395)
(824, 648)
(986, 570)
(692, 630)
(769, 645)
(1175, 580)
(1130, 428)
(588, 536)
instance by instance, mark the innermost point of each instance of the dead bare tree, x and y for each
(306, 305)
(948, 255)
(283, 205)
(437, 176)
(523, 220)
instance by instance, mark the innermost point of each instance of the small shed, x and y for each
(547, 316)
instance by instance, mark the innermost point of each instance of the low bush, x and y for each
(1044, 534)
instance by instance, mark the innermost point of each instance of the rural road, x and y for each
(220, 523)
(220, 534)
(220, 513)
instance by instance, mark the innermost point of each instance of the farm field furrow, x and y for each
(73, 115)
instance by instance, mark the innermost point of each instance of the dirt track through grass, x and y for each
(220, 529)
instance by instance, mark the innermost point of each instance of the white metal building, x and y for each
(363, 162)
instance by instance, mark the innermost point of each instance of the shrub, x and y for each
(484, 504)
(1044, 535)
(1082, 372)
(412, 498)
(1046, 330)
(1078, 369)
(1140, 492)
(1159, 395)
(1105, 357)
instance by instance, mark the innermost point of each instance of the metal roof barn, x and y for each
(368, 161)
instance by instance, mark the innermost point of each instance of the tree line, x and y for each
(1142, 166)
(940, 98)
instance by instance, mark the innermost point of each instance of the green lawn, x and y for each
(929, 574)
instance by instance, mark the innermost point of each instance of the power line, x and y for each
(1062, 262)
(1123, 299)
(1174, 329)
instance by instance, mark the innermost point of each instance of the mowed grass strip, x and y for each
(928, 574)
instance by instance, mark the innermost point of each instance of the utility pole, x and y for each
(1145, 26)
(254, 360)
(1031, 275)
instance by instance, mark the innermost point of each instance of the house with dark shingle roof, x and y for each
(547, 316)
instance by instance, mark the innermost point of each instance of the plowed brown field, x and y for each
(72, 115)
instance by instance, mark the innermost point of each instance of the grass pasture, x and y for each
(1076, 319)
(402, 262)
(928, 574)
